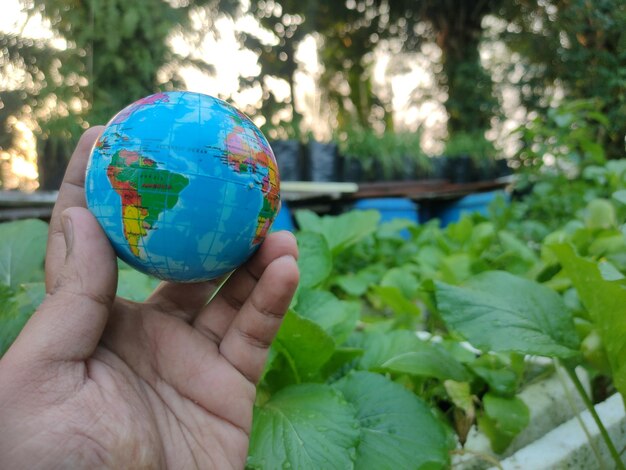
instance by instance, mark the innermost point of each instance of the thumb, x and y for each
(69, 323)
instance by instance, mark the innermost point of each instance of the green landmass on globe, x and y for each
(185, 186)
(143, 197)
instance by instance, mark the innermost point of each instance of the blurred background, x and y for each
(399, 89)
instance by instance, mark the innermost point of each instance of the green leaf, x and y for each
(393, 228)
(308, 426)
(135, 286)
(620, 196)
(600, 214)
(401, 351)
(22, 251)
(606, 304)
(357, 284)
(461, 395)
(511, 243)
(504, 418)
(498, 375)
(392, 297)
(337, 317)
(497, 311)
(340, 231)
(398, 429)
(341, 361)
(402, 279)
(457, 267)
(306, 344)
(16, 307)
(315, 261)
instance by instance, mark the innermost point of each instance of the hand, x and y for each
(95, 381)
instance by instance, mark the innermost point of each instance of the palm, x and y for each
(165, 383)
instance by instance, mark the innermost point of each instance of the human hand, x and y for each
(95, 381)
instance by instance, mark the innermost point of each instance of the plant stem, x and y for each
(603, 432)
(561, 374)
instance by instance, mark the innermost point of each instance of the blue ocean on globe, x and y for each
(185, 186)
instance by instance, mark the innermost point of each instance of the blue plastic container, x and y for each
(391, 208)
(284, 219)
(472, 203)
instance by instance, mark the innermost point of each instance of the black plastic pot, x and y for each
(490, 169)
(351, 169)
(322, 162)
(461, 169)
(290, 159)
(439, 168)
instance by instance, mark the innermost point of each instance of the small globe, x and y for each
(185, 186)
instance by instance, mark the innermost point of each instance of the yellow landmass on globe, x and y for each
(134, 227)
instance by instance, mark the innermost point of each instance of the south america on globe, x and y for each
(184, 185)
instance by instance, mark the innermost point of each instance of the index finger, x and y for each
(71, 194)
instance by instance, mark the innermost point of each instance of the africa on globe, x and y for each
(184, 185)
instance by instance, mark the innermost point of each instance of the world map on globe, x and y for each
(185, 186)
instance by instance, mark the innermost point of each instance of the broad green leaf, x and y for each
(504, 418)
(314, 260)
(398, 429)
(620, 196)
(394, 228)
(402, 351)
(308, 220)
(497, 311)
(457, 267)
(30, 295)
(305, 344)
(16, 307)
(609, 272)
(357, 284)
(22, 251)
(392, 297)
(136, 286)
(337, 317)
(340, 231)
(606, 303)
(461, 231)
(342, 360)
(482, 237)
(600, 214)
(280, 372)
(11, 322)
(500, 377)
(514, 245)
(304, 427)
(402, 279)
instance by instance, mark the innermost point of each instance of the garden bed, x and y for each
(569, 446)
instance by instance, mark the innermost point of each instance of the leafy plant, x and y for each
(393, 348)
(472, 145)
(394, 154)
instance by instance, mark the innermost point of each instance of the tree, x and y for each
(349, 33)
(576, 46)
(115, 52)
(457, 29)
(278, 60)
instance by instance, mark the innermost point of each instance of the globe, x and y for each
(184, 185)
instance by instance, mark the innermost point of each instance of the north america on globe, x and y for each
(185, 186)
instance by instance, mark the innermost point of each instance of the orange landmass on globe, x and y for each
(242, 157)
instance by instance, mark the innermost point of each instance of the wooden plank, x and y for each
(25, 213)
(18, 198)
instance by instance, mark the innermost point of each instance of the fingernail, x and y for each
(68, 232)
